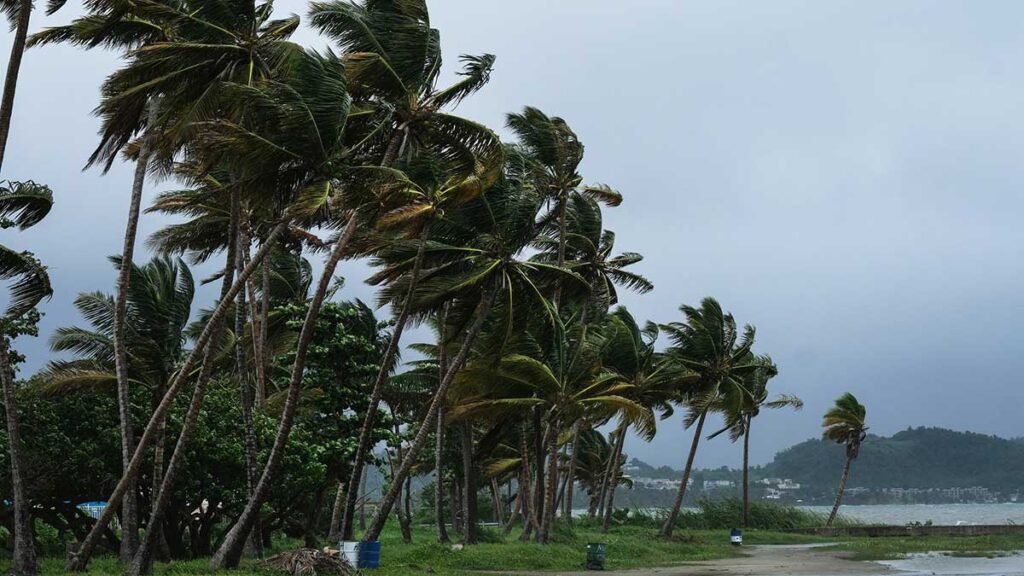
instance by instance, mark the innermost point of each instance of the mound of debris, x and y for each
(308, 562)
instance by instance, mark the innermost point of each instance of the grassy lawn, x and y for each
(896, 548)
(627, 547)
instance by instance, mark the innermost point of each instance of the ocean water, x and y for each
(939, 514)
(943, 565)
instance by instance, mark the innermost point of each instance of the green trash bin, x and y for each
(595, 556)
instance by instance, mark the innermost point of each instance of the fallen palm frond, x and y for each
(308, 562)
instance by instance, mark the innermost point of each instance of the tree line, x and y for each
(248, 417)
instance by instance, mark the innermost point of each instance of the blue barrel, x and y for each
(369, 555)
(736, 537)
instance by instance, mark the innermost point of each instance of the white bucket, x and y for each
(350, 552)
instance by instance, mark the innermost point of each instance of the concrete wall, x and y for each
(895, 531)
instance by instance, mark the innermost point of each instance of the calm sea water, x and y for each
(942, 514)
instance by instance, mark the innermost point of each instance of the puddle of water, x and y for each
(941, 564)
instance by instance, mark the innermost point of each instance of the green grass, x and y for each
(896, 548)
(628, 546)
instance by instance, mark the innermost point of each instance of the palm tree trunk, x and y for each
(159, 449)
(670, 522)
(483, 310)
(363, 448)
(571, 475)
(499, 508)
(562, 241)
(129, 506)
(469, 489)
(334, 532)
(256, 335)
(246, 395)
(839, 493)
(549, 493)
(530, 519)
(13, 70)
(746, 472)
(613, 478)
(230, 551)
(539, 448)
(442, 532)
(142, 562)
(261, 384)
(605, 478)
(24, 561)
(79, 560)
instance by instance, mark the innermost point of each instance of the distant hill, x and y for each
(915, 458)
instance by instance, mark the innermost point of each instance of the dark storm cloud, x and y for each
(843, 175)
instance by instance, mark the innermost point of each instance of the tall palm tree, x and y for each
(656, 384)
(22, 205)
(567, 384)
(128, 27)
(552, 154)
(742, 405)
(19, 14)
(475, 260)
(393, 62)
(845, 424)
(709, 346)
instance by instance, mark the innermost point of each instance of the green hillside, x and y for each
(915, 458)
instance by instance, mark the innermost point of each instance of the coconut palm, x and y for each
(22, 205)
(393, 62)
(589, 251)
(708, 346)
(656, 384)
(845, 424)
(19, 14)
(475, 260)
(128, 27)
(742, 405)
(552, 154)
(568, 384)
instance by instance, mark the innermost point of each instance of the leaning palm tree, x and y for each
(475, 260)
(709, 346)
(552, 153)
(845, 424)
(656, 384)
(568, 384)
(22, 205)
(742, 405)
(126, 26)
(19, 14)
(393, 62)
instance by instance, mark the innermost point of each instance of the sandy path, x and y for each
(762, 561)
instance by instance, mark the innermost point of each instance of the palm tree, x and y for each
(159, 303)
(552, 154)
(589, 251)
(709, 346)
(631, 354)
(742, 405)
(567, 385)
(474, 260)
(845, 424)
(22, 205)
(19, 14)
(125, 26)
(393, 61)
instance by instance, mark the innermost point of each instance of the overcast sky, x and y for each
(842, 175)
